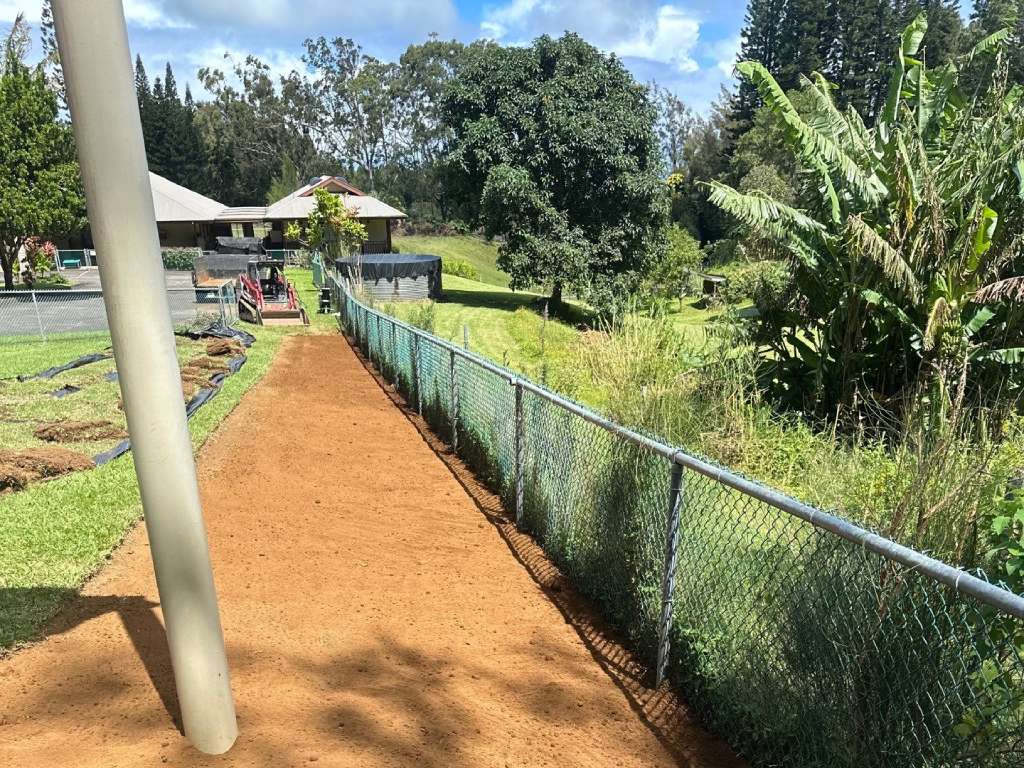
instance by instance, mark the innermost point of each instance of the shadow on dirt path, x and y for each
(372, 617)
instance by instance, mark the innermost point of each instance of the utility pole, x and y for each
(93, 43)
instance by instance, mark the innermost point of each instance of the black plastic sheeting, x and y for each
(49, 373)
(220, 331)
(67, 389)
(199, 399)
(388, 266)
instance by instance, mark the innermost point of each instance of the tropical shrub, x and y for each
(331, 228)
(903, 244)
(459, 268)
(671, 278)
(179, 258)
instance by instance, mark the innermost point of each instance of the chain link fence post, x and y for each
(39, 317)
(394, 350)
(520, 453)
(465, 337)
(455, 404)
(668, 580)
(416, 373)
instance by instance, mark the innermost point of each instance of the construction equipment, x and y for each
(266, 297)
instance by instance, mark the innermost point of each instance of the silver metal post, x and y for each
(465, 337)
(668, 580)
(93, 44)
(455, 404)
(39, 317)
(394, 351)
(416, 372)
(520, 453)
(380, 343)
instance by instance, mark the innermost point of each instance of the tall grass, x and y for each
(929, 483)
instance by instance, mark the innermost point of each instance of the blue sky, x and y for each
(688, 46)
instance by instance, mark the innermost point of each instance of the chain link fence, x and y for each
(805, 640)
(34, 315)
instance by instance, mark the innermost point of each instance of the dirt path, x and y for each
(375, 615)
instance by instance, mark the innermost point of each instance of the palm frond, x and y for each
(821, 149)
(761, 211)
(870, 245)
(1011, 289)
(936, 322)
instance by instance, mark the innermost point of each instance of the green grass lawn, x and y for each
(470, 248)
(503, 326)
(55, 534)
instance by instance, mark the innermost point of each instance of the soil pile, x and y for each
(79, 431)
(228, 347)
(19, 468)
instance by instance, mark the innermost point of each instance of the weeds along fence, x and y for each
(35, 315)
(803, 639)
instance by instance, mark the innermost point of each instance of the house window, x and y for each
(237, 230)
(260, 229)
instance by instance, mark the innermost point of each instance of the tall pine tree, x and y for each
(760, 42)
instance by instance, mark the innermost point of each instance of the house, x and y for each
(186, 219)
(378, 217)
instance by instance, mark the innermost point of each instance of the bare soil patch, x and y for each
(373, 614)
(219, 347)
(19, 468)
(79, 431)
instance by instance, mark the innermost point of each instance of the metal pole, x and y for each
(455, 404)
(39, 318)
(520, 454)
(394, 352)
(668, 580)
(465, 337)
(416, 372)
(93, 44)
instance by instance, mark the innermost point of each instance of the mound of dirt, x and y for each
(79, 431)
(20, 468)
(219, 347)
(206, 363)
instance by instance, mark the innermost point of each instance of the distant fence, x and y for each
(806, 641)
(29, 315)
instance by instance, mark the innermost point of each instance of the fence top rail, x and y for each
(99, 292)
(959, 580)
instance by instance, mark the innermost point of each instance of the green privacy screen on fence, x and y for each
(804, 640)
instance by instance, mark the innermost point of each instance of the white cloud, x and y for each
(670, 38)
(148, 14)
(667, 33)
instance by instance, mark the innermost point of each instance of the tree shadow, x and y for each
(567, 312)
(662, 710)
(137, 615)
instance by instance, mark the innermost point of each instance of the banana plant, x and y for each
(904, 245)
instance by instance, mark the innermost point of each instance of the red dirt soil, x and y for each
(378, 611)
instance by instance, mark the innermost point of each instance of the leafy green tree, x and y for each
(903, 252)
(247, 130)
(555, 151)
(39, 184)
(356, 104)
(672, 274)
(330, 228)
(675, 127)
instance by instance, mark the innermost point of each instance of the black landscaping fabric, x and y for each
(388, 266)
(49, 373)
(67, 389)
(199, 399)
(220, 331)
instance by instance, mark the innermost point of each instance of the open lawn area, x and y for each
(55, 534)
(469, 248)
(507, 327)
